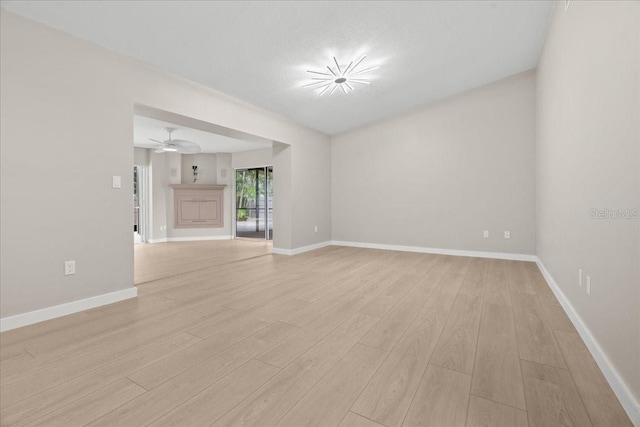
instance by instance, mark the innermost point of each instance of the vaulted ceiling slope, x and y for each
(259, 51)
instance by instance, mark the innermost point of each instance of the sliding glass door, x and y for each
(254, 203)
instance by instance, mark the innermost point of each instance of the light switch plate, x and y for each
(117, 182)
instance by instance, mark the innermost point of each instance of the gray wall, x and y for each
(159, 180)
(141, 156)
(252, 158)
(207, 168)
(438, 176)
(588, 157)
(72, 101)
(310, 168)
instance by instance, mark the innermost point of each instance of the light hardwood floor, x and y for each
(224, 333)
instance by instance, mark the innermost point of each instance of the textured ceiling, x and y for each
(259, 51)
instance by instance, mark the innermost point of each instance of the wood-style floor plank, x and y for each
(74, 363)
(552, 398)
(212, 403)
(497, 285)
(225, 333)
(354, 420)
(519, 280)
(329, 401)
(486, 413)
(272, 401)
(558, 319)
(388, 395)
(155, 262)
(155, 374)
(441, 399)
(160, 400)
(393, 325)
(380, 305)
(456, 348)
(496, 375)
(94, 405)
(536, 342)
(284, 353)
(52, 399)
(18, 362)
(601, 403)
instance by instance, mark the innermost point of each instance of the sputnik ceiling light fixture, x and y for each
(339, 77)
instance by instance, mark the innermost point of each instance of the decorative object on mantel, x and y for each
(195, 173)
(198, 205)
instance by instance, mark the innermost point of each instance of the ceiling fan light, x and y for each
(170, 149)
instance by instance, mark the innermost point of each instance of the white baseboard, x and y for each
(454, 252)
(197, 238)
(628, 401)
(189, 239)
(301, 249)
(24, 319)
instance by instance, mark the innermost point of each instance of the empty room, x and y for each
(344, 213)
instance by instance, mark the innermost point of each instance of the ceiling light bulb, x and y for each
(339, 77)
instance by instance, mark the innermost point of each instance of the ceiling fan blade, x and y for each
(188, 150)
(157, 142)
(186, 147)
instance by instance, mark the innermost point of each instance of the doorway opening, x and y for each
(254, 203)
(140, 204)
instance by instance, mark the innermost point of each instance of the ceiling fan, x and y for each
(180, 145)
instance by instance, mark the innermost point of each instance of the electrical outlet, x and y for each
(580, 277)
(588, 285)
(486, 234)
(69, 268)
(507, 234)
(315, 229)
